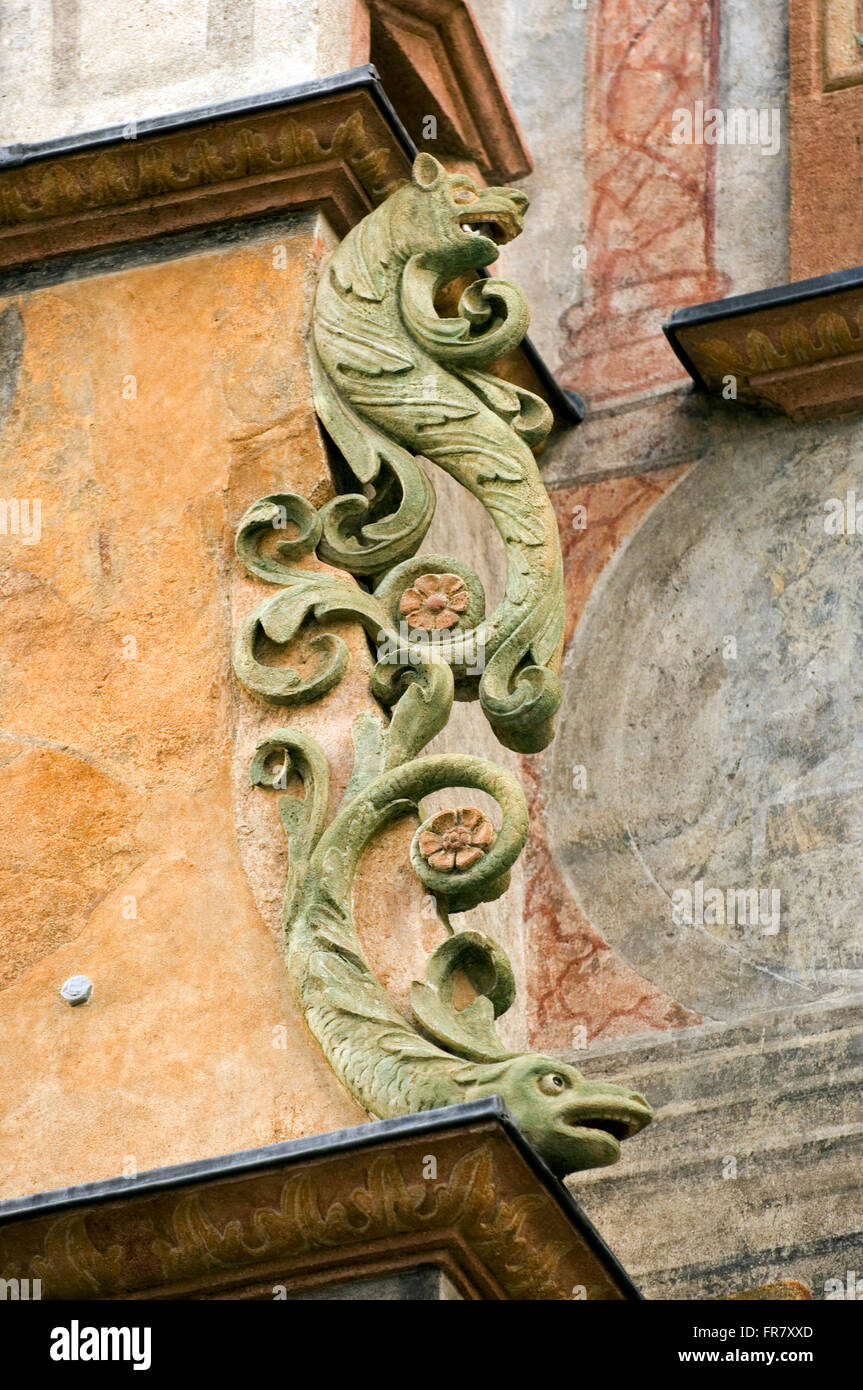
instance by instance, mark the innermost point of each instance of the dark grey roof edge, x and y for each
(795, 292)
(366, 76)
(567, 404)
(319, 1146)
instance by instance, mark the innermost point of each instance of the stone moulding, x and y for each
(400, 388)
(797, 349)
(337, 151)
(317, 1212)
(336, 146)
(137, 172)
(433, 54)
(841, 44)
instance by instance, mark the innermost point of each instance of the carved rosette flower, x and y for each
(434, 601)
(456, 839)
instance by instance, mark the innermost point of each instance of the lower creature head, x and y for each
(573, 1123)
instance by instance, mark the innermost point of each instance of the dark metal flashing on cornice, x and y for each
(794, 347)
(296, 1151)
(247, 1160)
(365, 78)
(795, 292)
(568, 407)
(715, 310)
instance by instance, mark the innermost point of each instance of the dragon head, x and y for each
(451, 220)
(573, 1123)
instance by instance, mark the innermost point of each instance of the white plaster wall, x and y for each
(68, 66)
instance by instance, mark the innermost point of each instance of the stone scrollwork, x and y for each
(401, 390)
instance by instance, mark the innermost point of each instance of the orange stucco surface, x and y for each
(152, 405)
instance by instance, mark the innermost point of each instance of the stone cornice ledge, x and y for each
(797, 348)
(336, 145)
(317, 1211)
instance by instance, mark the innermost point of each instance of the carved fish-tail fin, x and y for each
(468, 1031)
(379, 1055)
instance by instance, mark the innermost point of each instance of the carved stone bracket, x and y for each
(433, 54)
(401, 389)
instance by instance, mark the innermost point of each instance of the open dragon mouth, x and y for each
(618, 1129)
(499, 227)
(619, 1126)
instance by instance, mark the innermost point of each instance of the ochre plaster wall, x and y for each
(147, 407)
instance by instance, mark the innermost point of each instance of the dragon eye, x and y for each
(552, 1083)
(465, 195)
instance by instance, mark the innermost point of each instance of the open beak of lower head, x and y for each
(616, 1119)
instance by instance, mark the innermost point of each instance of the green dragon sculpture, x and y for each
(396, 383)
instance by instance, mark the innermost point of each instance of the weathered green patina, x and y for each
(396, 383)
